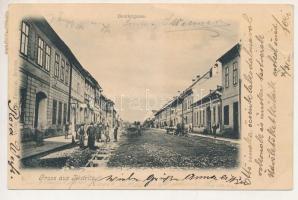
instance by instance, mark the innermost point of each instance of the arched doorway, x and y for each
(40, 120)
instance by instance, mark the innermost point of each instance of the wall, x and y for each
(34, 79)
(231, 94)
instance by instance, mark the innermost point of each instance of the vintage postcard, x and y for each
(150, 96)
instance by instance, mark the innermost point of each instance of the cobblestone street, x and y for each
(154, 148)
(72, 156)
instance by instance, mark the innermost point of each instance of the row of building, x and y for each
(211, 104)
(55, 89)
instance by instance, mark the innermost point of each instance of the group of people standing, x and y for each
(96, 132)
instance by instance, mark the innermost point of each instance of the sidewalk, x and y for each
(235, 141)
(30, 148)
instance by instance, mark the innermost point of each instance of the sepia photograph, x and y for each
(69, 120)
(150, 95)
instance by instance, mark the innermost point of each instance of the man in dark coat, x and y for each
(116, 131)
(81, 133)
(91, 136)
(98, 131)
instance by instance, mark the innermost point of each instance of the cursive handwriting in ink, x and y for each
(14, 147)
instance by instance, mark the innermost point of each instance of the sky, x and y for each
(143, 57)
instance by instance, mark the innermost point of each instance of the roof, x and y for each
(230, 54)
(164, 107)
(188, 91)
(103, 97)
(213, 95)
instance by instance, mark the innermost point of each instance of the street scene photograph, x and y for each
(118, 89)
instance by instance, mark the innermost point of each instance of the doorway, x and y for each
(235, 119)
(208, 110)
(40, 119)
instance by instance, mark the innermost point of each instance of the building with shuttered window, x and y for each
(55, 90)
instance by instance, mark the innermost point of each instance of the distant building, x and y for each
(110, 112)
(206, 106)
(187, 100)
(92, 97)
(103, 107)
(211, 103)
(77, 95)
(97, 108)
(176, 111)
(207, 113)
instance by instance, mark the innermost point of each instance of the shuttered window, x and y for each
(57, 61)
(40, 52)
(24, 38)
(48, 58)
(235, 73)
(62, 70)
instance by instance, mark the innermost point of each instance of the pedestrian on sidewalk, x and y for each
(39, 137)
(178, 129)
(91, 136)
(107, 132)
(116, 131)
(98, 131)
(66, 130)
(214, 128)
(81, 133)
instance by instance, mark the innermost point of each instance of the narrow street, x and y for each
(154, 148)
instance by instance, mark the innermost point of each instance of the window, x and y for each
(24, 38)
(57, 60)
(64, 113)
(227, 76)
(22, 104)
(226, 115)
(54, 114)
(62, 70)
(235, 73)
(66, 73)
(48, 57)
(40, 52)
(60, 113)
